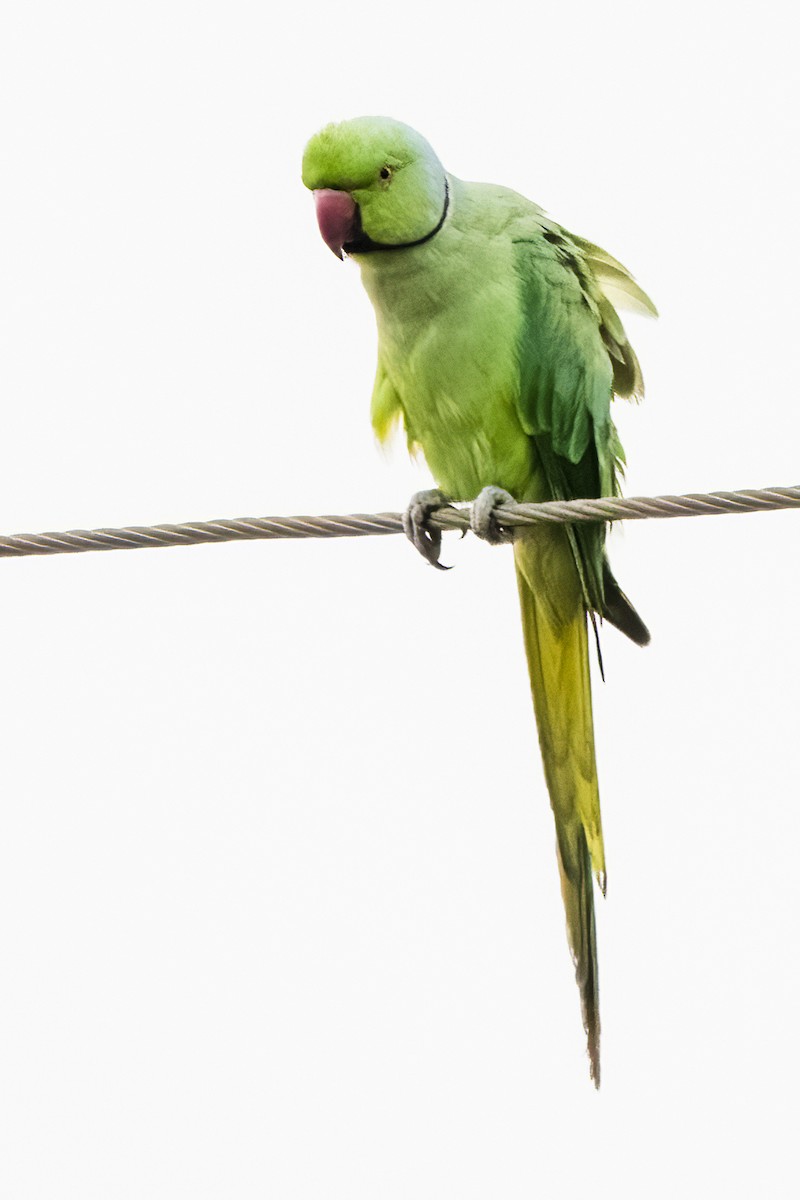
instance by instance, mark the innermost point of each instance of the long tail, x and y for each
(556, 643)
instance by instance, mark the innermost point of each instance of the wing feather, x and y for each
(574, 356)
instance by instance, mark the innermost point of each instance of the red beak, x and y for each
(337, 217)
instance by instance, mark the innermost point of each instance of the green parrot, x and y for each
(499, 351)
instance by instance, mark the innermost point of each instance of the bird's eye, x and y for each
(386, 172)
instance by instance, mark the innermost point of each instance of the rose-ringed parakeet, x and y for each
(499, 350)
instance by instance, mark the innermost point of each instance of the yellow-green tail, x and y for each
(556, 643)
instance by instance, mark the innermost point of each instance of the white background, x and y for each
(279, 910)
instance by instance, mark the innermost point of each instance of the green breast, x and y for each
(448, 324)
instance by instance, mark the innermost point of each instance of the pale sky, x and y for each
(280, 907)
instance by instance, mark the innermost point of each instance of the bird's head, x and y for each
(377, 185)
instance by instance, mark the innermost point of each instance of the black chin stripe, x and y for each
(362, 243)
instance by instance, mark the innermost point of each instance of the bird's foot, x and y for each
(416, 523)
(483, 516)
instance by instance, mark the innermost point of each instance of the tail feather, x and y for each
(574, 865)
(556, 643)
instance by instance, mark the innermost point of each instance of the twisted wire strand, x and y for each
(193, 533)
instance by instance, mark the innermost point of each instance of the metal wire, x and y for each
(193, 533)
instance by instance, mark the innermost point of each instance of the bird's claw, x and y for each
(417, 528)
(483, 516)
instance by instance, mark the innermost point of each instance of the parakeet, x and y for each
(500, 350)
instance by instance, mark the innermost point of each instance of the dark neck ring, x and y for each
(362, 243)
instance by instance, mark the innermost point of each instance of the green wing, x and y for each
(574, 356)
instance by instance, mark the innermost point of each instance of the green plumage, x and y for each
(499, 350)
